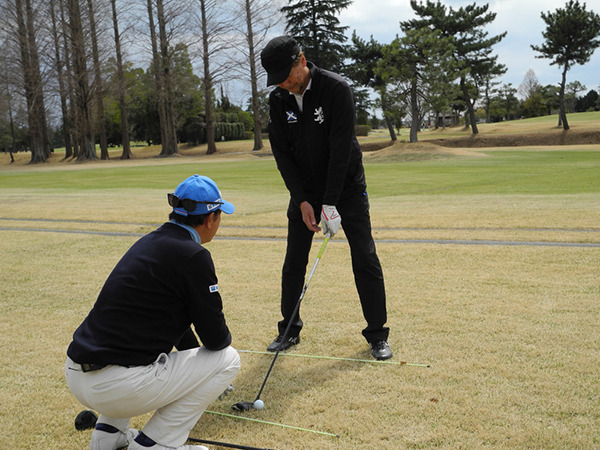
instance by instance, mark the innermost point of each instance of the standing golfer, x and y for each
(312, 137)
(120, 362)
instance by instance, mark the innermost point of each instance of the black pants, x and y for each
(368, 276)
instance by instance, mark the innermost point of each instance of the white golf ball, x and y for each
(259, 404)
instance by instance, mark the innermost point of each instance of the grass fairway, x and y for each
(491, 261)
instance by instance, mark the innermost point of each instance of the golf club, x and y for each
(225, 444)
(86, 420)
(257, 403)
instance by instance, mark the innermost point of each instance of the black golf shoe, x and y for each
(280, 344)
(381, 350)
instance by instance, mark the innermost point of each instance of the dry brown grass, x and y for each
(510, 332)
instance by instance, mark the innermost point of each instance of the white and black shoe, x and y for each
(143, 442)
(108, 437)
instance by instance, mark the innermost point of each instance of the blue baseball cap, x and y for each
(198, 195)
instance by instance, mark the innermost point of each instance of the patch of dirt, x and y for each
(417, 151)
(558, 137)
(374, 146)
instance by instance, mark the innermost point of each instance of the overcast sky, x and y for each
(519, 18)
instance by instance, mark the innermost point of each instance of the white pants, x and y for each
(178, 386)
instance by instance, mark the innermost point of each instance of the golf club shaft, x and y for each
(225, 444)
(296, 309)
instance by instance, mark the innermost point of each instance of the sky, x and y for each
(521, 19)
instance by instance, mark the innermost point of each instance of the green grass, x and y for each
(500, 172)
(259, 174)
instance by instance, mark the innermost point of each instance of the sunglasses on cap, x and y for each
(187, 203)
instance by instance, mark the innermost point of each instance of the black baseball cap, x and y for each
(278, 58)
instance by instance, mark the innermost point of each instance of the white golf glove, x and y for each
(330, 220)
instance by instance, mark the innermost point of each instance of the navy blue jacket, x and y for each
(316, 151)
(163, 284)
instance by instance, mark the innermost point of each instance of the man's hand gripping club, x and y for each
(330, 220)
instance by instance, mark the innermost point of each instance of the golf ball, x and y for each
(259, 404)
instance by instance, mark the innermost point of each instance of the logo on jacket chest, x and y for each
(319, 115)
(292, 117)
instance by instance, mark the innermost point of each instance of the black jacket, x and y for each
(316, 151)
(163, 284)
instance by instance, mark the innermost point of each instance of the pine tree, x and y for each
(572, 34)
(314, 24)
(472, 47)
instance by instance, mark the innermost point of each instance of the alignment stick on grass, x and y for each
(372, 361)
(324, 433)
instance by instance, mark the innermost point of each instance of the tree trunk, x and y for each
(258, 144)
(469, 104)
(562, 115)
(169, 145)
(99, 84)
(13, 137)
(73, 151)
(388, 122)
(32, 83)
(414, 111)
(66, 126)
(38, 88)
(208, 101)
(157, 77)
(82, 89)
(126, 153)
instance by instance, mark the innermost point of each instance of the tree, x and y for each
(571, 36)
(489, 92)
(61, 74)
(589, 102)
(314, 24)
(253, 78)
(158, 78)
(571, 91)
(215, 24)
(34, 93)
(126, 152)
(74, 151)
(472, 47)
(260, 17)
(529, 85)
(188, 98)
(169, 139)
(418, 64)
(81, 83)
(362, 70)
(508, 100)
(208, 79)
(98, 83)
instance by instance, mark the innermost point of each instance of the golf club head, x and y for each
(85, 420)
(243, 406)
